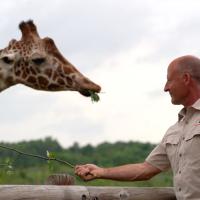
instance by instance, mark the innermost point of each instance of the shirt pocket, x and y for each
(171, 145)
(194, 132)
(172, 140)
(192, 144)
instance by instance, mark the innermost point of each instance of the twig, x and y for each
(2, 164)
(38, 156)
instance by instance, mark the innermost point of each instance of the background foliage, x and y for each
(29, 170)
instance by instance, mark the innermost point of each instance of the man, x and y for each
(180, 146)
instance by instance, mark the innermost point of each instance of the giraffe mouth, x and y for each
(86, 87)
(88, 90)
(85, 92)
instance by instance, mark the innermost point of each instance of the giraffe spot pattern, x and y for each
(48, 72)
(55, 75)
(24, 74)
(43, 81)
(9, 80)
(17, 73)
(33, 71)
(61, 81)
(53, 87)
(69, 81)
(32, 79)
(68, 70)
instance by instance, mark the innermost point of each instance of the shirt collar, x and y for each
(196, 105)
(182, 112)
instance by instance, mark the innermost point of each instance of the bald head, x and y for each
(183, 80)
(190, 64)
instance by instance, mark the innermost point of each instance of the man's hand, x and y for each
(89, 171)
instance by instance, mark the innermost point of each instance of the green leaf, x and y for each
(51, 155)
(48, 154)
(94, 96)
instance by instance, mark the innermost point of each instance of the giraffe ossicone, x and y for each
(37, 63)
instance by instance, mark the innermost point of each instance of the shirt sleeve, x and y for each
(158, 157)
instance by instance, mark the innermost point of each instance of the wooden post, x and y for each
(50, 192)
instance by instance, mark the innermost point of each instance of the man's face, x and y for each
(175, 85)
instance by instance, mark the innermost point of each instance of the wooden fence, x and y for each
(52, 192)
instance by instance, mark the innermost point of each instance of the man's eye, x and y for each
(38, 61)
(7, 60)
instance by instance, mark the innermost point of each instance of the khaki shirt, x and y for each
(180, 151)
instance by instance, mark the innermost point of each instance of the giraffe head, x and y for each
(37, 63)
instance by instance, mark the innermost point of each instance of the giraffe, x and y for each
(37, 63)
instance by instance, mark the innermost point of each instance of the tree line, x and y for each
(31, 170)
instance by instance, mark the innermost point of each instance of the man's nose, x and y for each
(166, 88)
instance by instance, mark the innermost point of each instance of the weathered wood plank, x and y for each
(131, 193)
(49, 192)
(42, 192)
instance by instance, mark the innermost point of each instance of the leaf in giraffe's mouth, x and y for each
(89, 93)
(94, 96)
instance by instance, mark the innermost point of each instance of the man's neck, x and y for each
(190, 101)
(193, 95)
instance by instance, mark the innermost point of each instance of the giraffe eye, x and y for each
(38, 61)
(7, 60)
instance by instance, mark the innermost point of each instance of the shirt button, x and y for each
(179, 189)
(180, 155)
(179, 172)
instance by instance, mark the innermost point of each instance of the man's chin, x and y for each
(174, 102)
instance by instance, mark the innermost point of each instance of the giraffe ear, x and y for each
(12, 42)
(28, 29)
(51, 48)
(49, 44)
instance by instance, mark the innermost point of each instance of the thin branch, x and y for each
(38, 156)
(2, 164)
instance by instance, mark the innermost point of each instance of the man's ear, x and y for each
(187, 78)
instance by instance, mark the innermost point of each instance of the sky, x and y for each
(124, 46)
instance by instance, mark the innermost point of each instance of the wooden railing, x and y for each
(52, 192)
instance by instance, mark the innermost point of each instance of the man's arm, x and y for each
(130, 172)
